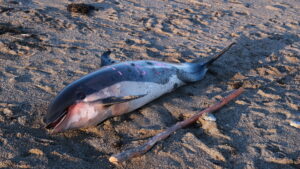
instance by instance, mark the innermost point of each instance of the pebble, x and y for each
(209, 117)
(7, 112)
(36, 151)
(295, 123)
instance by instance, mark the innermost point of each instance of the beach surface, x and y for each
(44, 46)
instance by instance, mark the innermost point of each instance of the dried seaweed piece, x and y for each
(80, 8)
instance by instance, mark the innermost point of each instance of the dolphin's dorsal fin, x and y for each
(115, 100)
(106, 60)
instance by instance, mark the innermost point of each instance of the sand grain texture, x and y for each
(44, 47)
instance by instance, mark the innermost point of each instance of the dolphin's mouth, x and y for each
(55, 123)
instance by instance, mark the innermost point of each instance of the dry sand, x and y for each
(44, 47)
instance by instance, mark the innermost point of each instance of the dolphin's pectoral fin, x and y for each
(106, 60)
(115, 100)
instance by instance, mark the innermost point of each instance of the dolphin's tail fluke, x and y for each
(197, 69)
(217, 56)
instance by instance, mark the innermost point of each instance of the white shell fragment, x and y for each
(209, 117)
(295, 123)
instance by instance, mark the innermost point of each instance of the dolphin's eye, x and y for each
(80, 96)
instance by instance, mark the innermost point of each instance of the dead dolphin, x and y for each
(119, 88)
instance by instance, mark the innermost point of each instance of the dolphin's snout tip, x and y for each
(51, 129)
(54, 130)
(59, 125)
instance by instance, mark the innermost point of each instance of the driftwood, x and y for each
(138, 151)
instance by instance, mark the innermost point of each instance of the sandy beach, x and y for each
(44, 46)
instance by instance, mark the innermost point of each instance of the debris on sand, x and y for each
(80, 8)
(209, 117)
(295, 123)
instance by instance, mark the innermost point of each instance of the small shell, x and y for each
(295, 123)
(209, 117)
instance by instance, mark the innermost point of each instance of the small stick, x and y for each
(138, 151)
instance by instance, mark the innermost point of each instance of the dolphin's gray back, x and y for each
(138, 71)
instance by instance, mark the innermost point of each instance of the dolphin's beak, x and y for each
(54, 125)
(57, 109)
(60, 126)
(72, 118)
(62, 123)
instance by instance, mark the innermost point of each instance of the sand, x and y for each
(44, 47)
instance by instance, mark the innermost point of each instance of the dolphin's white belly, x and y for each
(149, 89)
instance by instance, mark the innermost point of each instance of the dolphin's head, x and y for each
(59, 108)
(69, 109)
(81, 114)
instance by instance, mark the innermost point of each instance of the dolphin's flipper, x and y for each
(115, 100)
(106, 60)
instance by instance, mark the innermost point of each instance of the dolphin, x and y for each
(119, 88)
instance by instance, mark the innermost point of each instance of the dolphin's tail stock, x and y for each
(197, 69)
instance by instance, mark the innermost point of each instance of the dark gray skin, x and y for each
(117, 89)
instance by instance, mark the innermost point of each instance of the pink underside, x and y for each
(56, 125)
(63, 124)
